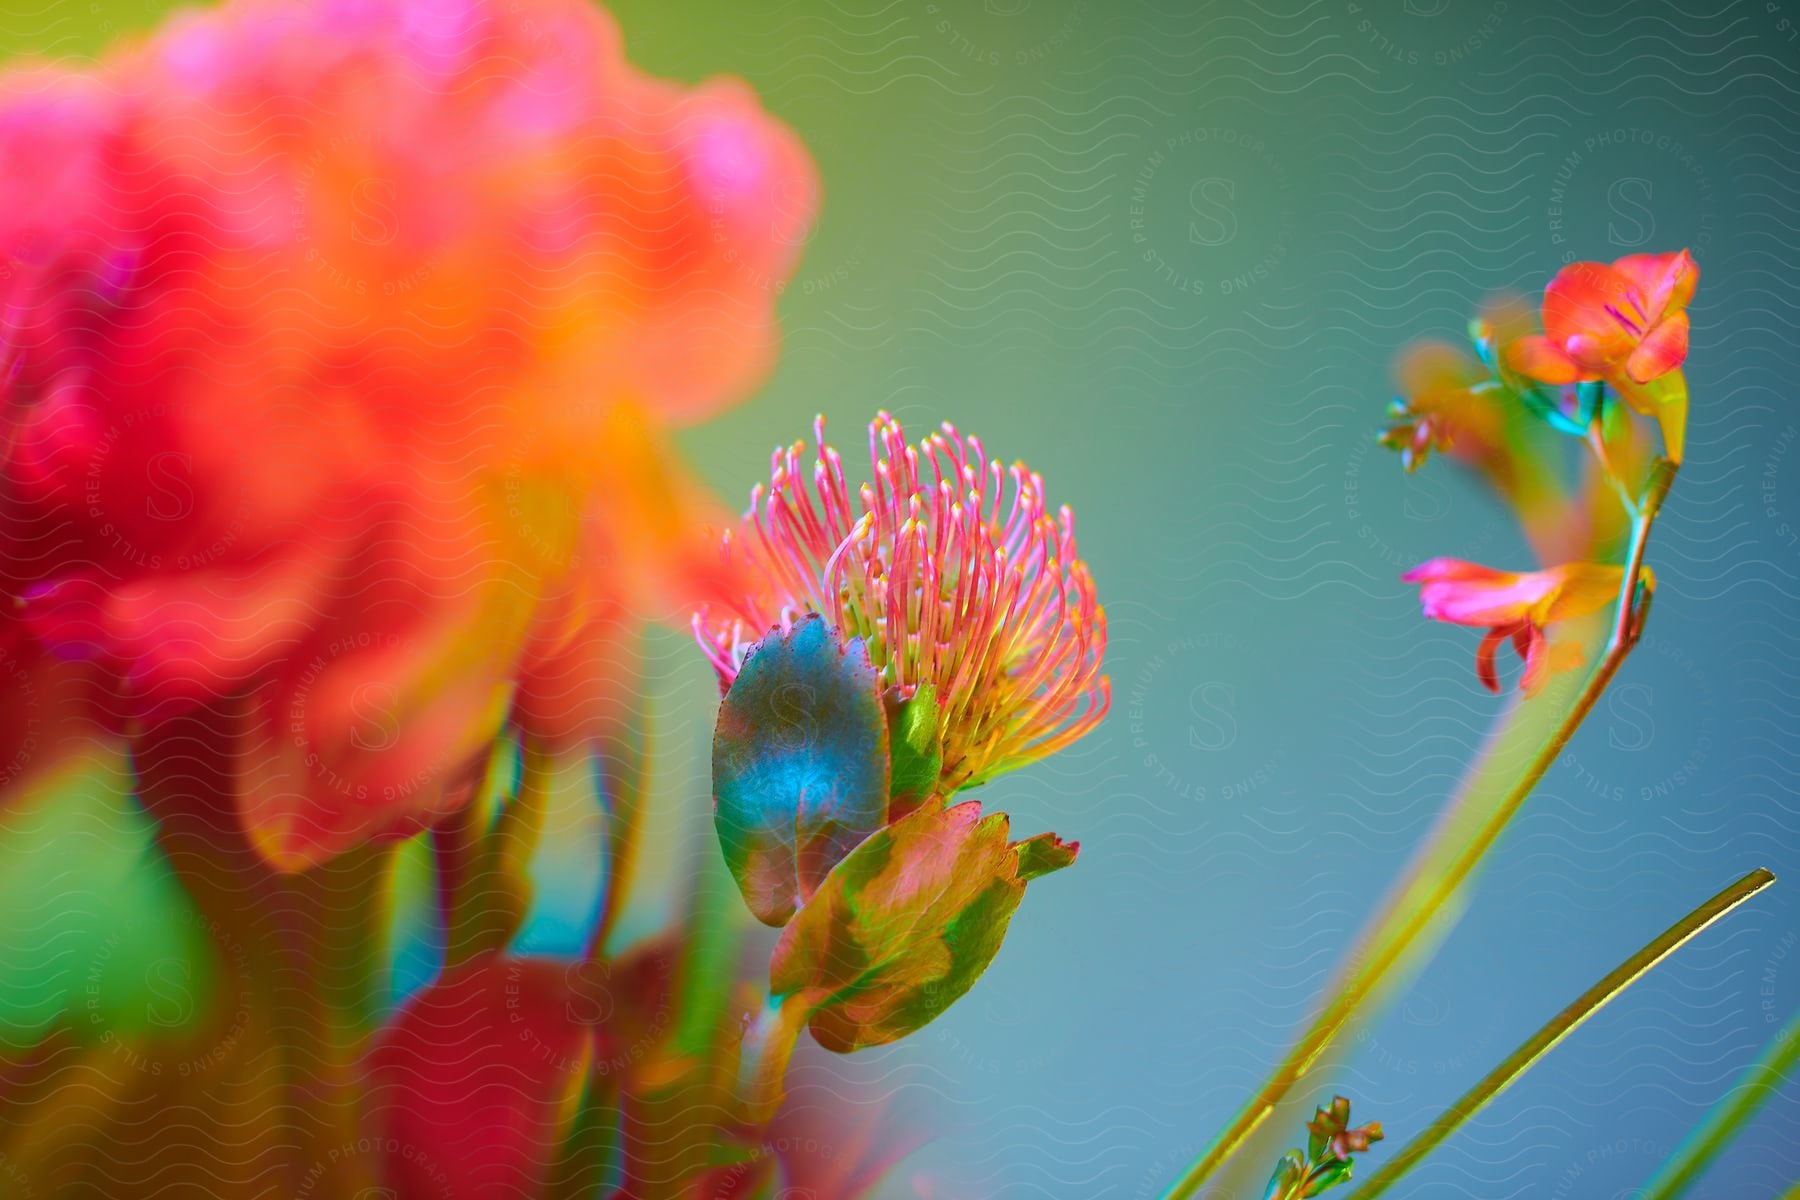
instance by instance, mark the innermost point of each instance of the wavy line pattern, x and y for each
(1164, 251)
(1199, 368)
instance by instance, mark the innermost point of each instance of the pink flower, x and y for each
(952, 570)
(341, 342)
(475, 1087)
(1520, 606)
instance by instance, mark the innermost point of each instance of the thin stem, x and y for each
(768, 1045)
(709, 956)
(586, 1154)
(1409, 912)
(1596, 438)
(1560, 1027)
(335, 920)
(463, 855)
(1407, 916)
(625, 761)
(484, 865)
(1628, 623)
(1749, 1092)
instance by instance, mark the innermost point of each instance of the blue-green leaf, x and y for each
(800, 765)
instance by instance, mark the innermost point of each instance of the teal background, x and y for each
(1165, 253)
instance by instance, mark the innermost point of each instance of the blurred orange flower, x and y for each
(341, 342)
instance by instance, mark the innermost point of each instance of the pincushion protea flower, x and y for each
(938, 632)
(954, 573)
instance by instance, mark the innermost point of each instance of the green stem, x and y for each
(336, 919)
(1753, 1089)
(304, 949)
(484, 863)
(709, 956)
(1410, 911)
(586, 1156)
(625, 753)
(1560, 1027)
(768, 1045)
(1597, 443)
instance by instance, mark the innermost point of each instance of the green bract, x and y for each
(905, 925)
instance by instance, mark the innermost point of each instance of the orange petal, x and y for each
(1438, 570)
(1581, 302)
(1662, 351)
(1484, 659)
(1543, 360)
(1666, 281)
(573, 691)
(1578, 589)
(1430, 368)
(1506, 317)
(319, 770)
(653, 542)
(1536, 661)
(1591, 354)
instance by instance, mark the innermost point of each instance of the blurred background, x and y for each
(1165, 254)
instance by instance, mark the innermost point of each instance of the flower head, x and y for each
(1600, 321)
(1448, 403)
(1626, 324)
(1327, 1161)
(1516, 605)
(1330, 1129)
(954, 573)
(338, 347)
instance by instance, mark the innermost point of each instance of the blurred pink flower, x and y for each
(474, 1087)
(340, 342)
(1516, 605)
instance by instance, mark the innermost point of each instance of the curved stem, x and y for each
(1560, 1027)
(625, 756)
(1410, 911)
(1596, 437)
(1749, 1092)
(768, 1045)
(484, 862)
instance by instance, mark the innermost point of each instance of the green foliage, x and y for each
(906, 924)
(916, 748)
(104, 942)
